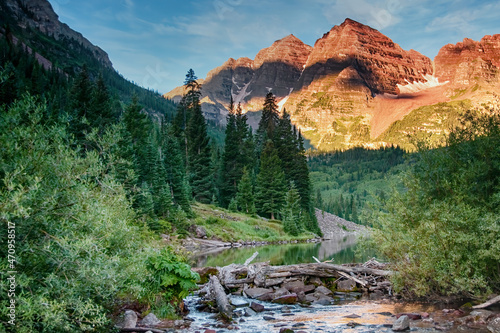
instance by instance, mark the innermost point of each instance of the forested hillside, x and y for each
(355, 182)
(93, 169)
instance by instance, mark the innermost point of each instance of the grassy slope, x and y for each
(229, 226)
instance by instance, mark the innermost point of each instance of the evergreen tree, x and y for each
(231, 169)
(245, 196)
(175, 170)
(246, 157)
(102, 114)
(291, 213)
(271, 185)
(197, 143)
(287, 146)
(268, 122)
(80, 108)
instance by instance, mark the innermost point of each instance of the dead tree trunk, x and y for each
(220, 297)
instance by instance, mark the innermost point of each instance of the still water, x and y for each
(341, 249)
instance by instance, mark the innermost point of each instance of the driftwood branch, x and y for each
(249, 260)
(487, 303)
(361, 282)
(220, 297)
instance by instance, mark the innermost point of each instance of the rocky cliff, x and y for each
(470, 62)
(38, 14)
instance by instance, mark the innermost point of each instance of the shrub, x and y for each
(442, 234)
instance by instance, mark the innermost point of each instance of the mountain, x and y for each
(35, 27)
(39, 15)
(356, 86)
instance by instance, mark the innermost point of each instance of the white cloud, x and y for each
(377, 14)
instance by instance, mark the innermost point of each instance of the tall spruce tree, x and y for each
(245, 197)
(270, 186)
(175, 169)
(291, 213)
(230, 173)
(102, 113)
(268, 122)
(197, 142)
(80, 107)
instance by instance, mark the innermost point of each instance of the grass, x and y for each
(228, 226)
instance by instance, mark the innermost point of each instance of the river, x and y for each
(351, 312)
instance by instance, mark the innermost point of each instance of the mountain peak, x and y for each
(289, 50)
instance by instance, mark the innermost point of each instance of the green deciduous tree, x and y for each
(442, 234)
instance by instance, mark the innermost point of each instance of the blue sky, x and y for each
(155, 42)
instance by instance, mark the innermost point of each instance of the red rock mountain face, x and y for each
(362, 56)
(379, 62)
(469, 61)
(352, 85)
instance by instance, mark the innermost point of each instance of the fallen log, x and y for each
(361, 282)
(487, 303)
(220, 297)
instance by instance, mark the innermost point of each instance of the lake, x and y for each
(341, 249)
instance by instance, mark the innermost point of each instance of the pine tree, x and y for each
(246, 141)
(197, 143)
(286, 144)
(80, 108)
(231, 169)
(101, 114)
(245, 196)
(271, 185)
(291, 214)
(268, 122)
(175, 170)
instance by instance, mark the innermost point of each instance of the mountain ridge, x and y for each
(355, 83)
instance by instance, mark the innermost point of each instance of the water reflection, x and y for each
(341, 249)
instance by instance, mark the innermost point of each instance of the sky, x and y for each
(155, 42)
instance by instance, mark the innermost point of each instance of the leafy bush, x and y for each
(78, 248)
(169, 277)
(442, 234)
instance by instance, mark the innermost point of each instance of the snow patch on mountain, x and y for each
(416, 86)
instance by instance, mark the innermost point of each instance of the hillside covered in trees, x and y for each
(94, 168)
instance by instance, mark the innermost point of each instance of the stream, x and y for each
(350, 312)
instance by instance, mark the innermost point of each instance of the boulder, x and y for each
(150, 320)
(346, 285)
(238, 302)
(249, 312)
(322, 290)
(295, 286)
(257, 292)
(286, 299)
(129, 319)
(281, 292)
(257, 307)
(401, 324)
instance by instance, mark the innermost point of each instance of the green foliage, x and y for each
(271, 187)
(245, 197)
(350, 183)
(430, 122)
(78, 248)
(169, 277)
(291, 213)
(442, 234)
